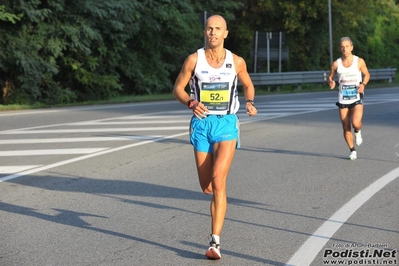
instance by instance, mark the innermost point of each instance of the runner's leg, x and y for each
(357, 115)
(345, 115)
(204, 162)
(223, 157)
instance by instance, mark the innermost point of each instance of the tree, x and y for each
(305, 24)
(57, 51)
(384, 38)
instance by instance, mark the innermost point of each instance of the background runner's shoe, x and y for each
(353, 155)
(359, 139)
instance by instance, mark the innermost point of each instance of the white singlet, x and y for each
(349, 78)
(216, 88)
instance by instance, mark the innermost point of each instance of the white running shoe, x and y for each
(359, 139)
(353, 155)
(213, 252)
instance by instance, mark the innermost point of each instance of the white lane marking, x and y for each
(74, 140)
(94, 107)
(81, 158)
(147, 117)
(50, 152)
(29, 112)
(309, 250)
(301, 105)
(183, 115)
(297, 104)
(272, 114)
(292, 105)
(125, 129)
(16, 169)
(147, 121)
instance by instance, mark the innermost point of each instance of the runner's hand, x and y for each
(200, 110)
(332, 84)
(360, 88)
(251, 110)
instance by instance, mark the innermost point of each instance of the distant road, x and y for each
(117, 185)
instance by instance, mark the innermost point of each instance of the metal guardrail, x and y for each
(299, 78)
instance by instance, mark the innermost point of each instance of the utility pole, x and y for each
(256, 52)
(205, 18)
(330, 30)
(268, 38)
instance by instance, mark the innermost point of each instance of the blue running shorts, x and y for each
(213, 129)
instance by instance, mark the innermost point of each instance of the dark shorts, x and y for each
(351, 105)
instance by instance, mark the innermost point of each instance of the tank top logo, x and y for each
(348, 78)
(215, 79)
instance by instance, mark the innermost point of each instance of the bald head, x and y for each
(216, 19)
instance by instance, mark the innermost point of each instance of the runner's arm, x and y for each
(366, 75)
(246, 82)
(333, 72)
(183, 78)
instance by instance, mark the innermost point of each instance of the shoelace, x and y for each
(213, 243)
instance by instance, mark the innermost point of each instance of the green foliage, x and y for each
(59, 51)
(6, 16)
(370, 24)
(384, 38)
(169, 30)
(305, 24)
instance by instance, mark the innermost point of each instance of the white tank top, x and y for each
(216, 88)
(349, 78)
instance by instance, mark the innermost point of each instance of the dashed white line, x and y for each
(16, 169)
(46, 167)
(88, 130)
(50, 152)
(74, 140)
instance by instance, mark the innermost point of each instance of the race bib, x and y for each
(349, 92)
(215, 96)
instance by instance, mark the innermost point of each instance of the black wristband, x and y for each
(250, 101)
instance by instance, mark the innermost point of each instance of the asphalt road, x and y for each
(117, 185)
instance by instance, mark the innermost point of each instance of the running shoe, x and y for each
(213, 252)
(353, 155)
(359, 139)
